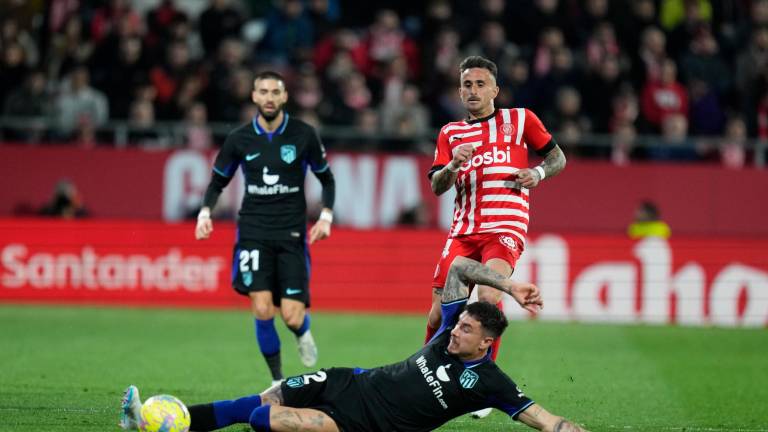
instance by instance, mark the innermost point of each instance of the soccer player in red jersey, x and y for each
(485, 157)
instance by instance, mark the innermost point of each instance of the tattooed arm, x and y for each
(538, 418)
(553, 163)
(445, 177)
(465, 271)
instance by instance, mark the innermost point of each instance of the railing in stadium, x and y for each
(168, 135)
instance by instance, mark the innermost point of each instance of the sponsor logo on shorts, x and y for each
(247, 278)
(292, 291)
(468, 379)
(508, 242)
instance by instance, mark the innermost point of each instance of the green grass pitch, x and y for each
(64, 368)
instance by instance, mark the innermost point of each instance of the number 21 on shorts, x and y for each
(249, 260)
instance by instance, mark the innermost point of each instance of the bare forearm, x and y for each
(553, 162)
(540, 419)
(465, 271)
(443, 180)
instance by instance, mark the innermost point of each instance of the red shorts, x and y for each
(479, 247)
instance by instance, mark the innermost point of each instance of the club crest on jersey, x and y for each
(468, 379)
(508, 242)
(288, 153)
(247, 278)
(295, 382)
(507, 129)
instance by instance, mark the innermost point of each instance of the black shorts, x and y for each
(333, 391)
(279, 266)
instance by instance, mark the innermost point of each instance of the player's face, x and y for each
(270, 96)
(468, 341)
(477, 91)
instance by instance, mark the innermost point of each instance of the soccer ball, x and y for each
(164, 413)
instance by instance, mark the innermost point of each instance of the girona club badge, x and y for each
(508, 242)
(507, 129)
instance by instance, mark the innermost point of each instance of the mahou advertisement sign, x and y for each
(686, 281)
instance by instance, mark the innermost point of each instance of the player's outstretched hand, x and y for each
(204, 226)
(320, 230)
(528, 178)
(527, 295)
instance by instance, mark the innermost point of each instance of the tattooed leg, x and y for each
(285, 419)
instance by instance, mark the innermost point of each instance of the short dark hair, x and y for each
(269, 74)
(479, 62)
(491, 318)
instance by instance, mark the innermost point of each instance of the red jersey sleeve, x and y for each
(443, 155)
(536, 135)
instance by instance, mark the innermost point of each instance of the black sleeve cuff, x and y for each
(433, 170)
(547, 148)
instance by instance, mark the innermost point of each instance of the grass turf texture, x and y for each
(64, 369)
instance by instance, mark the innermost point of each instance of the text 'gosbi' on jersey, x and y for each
(488, 197)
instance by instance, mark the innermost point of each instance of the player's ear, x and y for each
(486, 343)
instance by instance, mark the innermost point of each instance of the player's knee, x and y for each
(263, 310)
(293, 318)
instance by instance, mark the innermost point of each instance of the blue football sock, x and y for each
(229, 412)
(259, 419)
(304, 326)
(269, 342)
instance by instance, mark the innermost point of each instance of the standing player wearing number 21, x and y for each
(271, 257)
(485, 157)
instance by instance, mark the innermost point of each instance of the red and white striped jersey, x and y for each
(488, 197)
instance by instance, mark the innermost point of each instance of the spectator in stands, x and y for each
(674, 143)
(198, 134)
(687, 17)
(493, 44)
(122, 77)
(515, 76)
(31, 99)
(623, 143)
(80, 104)
(11, 32)
(407, 116)
(733, 153)
(289, 36)
(648, 223)
(707, 116)
(641, 15)
(702, 61)
(218, 22)
(168, 77)
(143, 130)
(65, 203)
(567, 110)
(650, 57)
(663, 97)
(13, 69)
(68, 49)
(386, 41)
(602, 43)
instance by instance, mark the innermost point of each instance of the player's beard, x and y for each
(270, 116)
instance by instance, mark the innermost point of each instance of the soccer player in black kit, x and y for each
(451, 375)
(271, 257)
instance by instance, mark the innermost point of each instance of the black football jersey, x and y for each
(274, 166)
(432, 386)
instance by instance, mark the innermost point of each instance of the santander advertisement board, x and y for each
(687, 281)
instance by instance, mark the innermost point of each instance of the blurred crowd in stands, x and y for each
(680, 70)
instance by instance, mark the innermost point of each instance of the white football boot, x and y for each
(307, 349)
(483, 413)
(130, 413)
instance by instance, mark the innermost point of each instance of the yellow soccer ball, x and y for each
(164, 413)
